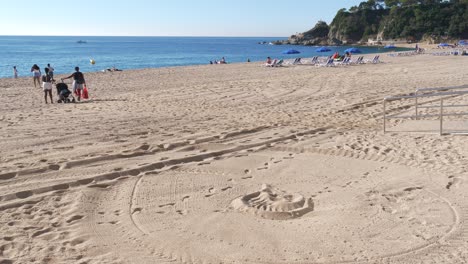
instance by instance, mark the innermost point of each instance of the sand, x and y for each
(235, 163)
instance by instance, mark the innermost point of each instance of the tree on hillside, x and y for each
(401, 19)
(320, 30)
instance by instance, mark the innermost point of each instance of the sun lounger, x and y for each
(345, 61)
(279, 63)
(272, 64)
(328, 63)
(314, 60)
(297, 61)
(275, 63)
(359, 60)
(375, 60)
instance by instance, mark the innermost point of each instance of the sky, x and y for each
(262, 18)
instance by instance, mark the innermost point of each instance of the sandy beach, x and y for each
(236, 163)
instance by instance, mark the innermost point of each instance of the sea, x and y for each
(66, 52)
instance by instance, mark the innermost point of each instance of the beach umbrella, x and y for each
(444, 45)
(322, 49)
(353, 50)
(389, 46)
(291, 51)
(463, 42)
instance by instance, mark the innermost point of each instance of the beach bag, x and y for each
(85, 92)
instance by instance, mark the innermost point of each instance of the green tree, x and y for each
(410, 19)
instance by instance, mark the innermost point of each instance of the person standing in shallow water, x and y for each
(15, 72)
(78, 82)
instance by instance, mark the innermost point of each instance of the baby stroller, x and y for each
(64, 94)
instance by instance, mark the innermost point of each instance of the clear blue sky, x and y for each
(275, 18)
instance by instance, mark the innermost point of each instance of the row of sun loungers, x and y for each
(405, 53)
(448, 53)
(325, 62)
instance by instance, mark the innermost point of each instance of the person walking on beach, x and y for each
(51, 71)
(47, 85)
(36, 75)
(78, 82)
(15, 72)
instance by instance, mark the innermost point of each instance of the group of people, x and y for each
(222, 61)
(36, 71)
(338, 57)
(48, 80)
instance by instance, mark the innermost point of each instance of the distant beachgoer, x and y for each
(51, 71)
(248, 60)
(113, 69)
(211, 62)
(78, 82)
(336, 55)
(268, 61)
(36, 75)
(47, 85)
(222, 61)
(15, 72)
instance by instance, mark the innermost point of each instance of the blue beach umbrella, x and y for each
(463, 42)
(444, 45)
(353, 50)
(322, 49)
(291, 51)
(389, 46)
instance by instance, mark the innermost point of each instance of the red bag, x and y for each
(85, 92)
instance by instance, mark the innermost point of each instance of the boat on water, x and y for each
(81, 41)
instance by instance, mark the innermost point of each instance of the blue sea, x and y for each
(64, 53)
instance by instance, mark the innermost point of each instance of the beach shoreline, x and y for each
(235, 163)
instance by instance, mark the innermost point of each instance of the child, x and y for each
(15, 72)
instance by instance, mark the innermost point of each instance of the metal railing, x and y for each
(442, 92)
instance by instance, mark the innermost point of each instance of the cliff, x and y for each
(433, 21)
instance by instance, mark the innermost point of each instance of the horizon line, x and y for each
(142, 36)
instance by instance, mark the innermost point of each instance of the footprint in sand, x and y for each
(182, 212)
(75, 218)
(166, 205)
(226, 188)
(7, 176)
(454, 182)
(211, 192)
